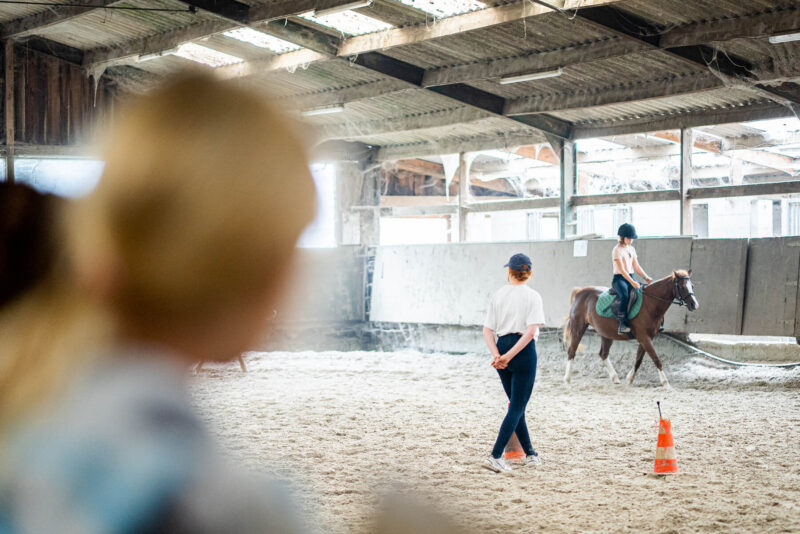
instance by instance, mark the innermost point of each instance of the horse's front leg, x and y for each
(647, 343)
(637, 363)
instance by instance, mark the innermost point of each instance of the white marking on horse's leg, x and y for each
(612, 373)
(569, 372)
(663, 378)
(631, 376)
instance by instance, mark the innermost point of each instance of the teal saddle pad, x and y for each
(603, 306)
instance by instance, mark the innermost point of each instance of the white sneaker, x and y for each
(532, 459)
(498, 465)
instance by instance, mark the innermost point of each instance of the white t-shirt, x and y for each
(513, 308)
(626, 255)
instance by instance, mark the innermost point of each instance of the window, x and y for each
(586, 220)
(321, 233)
(794, 218)
(414, 230)
(64, 177)
(622, 215)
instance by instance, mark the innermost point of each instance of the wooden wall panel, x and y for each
(55, 101)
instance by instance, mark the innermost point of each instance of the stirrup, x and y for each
(623, 329)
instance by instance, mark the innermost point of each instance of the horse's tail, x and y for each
(568, 327)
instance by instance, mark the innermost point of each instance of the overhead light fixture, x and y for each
(322, 111)
(156, 55)
(785, 38)
(343, 7)
(531, 76)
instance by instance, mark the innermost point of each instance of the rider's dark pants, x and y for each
(623, 288)
(517, 380)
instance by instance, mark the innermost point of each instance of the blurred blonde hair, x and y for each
(47, 337)
(205, 191)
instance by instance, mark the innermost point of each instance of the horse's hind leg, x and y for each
(605, 346)
(639, 357)
(575, 341)
(241, 364)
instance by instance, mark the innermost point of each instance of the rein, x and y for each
(680, 300)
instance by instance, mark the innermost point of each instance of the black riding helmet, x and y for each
(627, 230)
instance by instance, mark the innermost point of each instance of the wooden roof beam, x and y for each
(539, 153)
(702, 141)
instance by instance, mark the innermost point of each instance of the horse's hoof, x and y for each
(615, 380)
(629, 378)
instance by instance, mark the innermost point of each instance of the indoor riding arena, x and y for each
(445, 137)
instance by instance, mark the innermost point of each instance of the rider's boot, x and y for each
(622, 317)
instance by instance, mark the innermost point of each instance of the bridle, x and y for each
(677, 298)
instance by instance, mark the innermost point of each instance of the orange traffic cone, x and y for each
(666, 462)
(513, 450)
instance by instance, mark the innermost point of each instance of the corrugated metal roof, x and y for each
(680, 12)
(684, 104)
(549, 32)
(9, 12)
(106, 28)
(442, 136)
(541, 33)
(606, 73)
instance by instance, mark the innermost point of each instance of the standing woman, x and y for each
(625, 264)
(515, 314)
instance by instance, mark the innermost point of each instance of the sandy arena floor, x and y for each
(344, 427)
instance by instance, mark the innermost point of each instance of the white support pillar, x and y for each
(687, 144)
(463, 197)
(567, 158)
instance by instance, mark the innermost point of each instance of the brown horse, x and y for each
(657, 298)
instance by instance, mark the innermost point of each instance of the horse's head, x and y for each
(684, 291)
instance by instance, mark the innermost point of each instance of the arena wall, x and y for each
(452, 283)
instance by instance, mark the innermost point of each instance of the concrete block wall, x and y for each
(744, 286)
(325, 286)
(451, 284)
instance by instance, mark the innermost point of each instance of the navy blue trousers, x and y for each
(517, 381)
(623, 289)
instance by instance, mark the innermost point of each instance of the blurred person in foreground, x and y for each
(44, 328)
(184, 247)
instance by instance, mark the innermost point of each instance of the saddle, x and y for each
(608, 302)
(616, 302)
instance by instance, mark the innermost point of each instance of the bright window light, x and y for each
(349, 22)
(592, 145)
(445, 8)
(777, 128)
(321, 232)
(206, 56)
(63, 177)
(262, 40)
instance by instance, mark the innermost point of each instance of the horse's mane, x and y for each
(680, 273)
